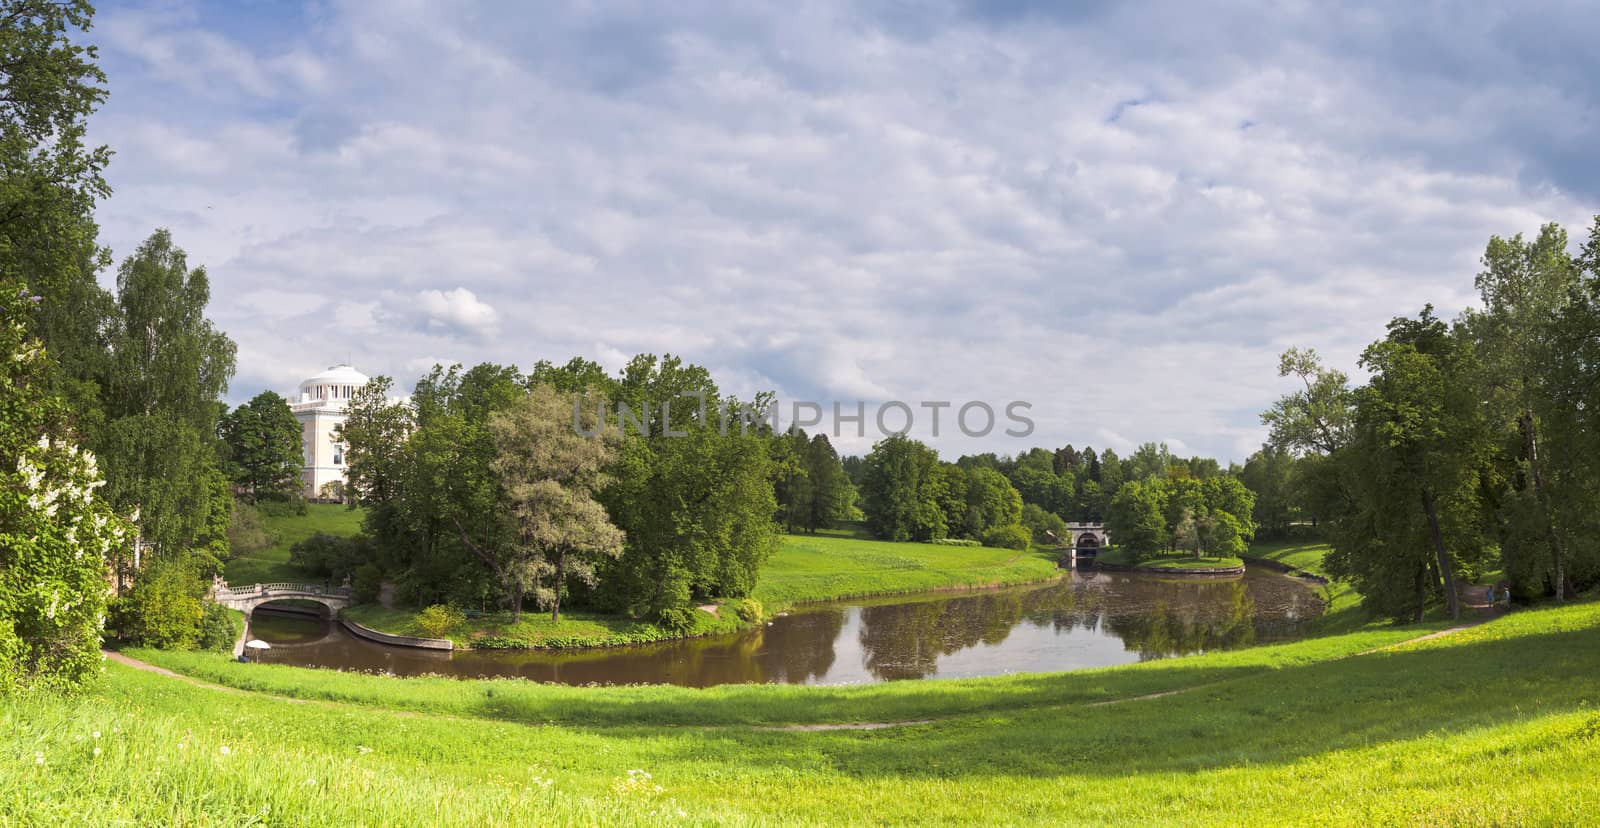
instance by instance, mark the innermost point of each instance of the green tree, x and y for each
(262, 445)
(1135, 520)
(550, 474)
(168, 367)
(1269, 474)
(899, 495)
(1525, 286)
(56, 531)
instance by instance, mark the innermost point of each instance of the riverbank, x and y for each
(1426, 731)
(535, 630)
(1120, 560)
(804, 569)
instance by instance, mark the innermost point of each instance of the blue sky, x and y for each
(1119, 213)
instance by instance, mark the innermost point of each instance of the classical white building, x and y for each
(319, 406)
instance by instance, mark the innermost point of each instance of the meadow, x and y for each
(1495, 724)
(824, 567)
(271, 562)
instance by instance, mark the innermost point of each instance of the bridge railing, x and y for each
(277, 588)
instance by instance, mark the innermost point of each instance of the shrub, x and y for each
(247, 533)
(1014, 536)
(749, 610)
(163, 609)
(679, 620)
(283, 506)
(330, 555)
(368, 582)
(438, 620)
(217, 628)
(954, 542)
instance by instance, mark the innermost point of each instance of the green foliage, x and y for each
(331, 556)
(955, 542)
(163, 609)
(247, 530)
(749, 610)
(678, 620)
(908, 494)
(261, 446)
(367, 582)
(55, 530)
(549, 475)
(697, 507)
(438, 620)
(219, 627)
(1014, 536)
(1135, 519)
(271, 563)
(167, 366)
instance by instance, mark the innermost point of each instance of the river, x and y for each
(1089, 619)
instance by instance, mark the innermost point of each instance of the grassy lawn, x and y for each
(272, 563)
(1119, 557)
(1493, 725)
(535, 630)
(830, 567)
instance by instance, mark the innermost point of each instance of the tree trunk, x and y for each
(1452, 600)
(561, 576)
(1422, 591)
(1531, 442)
(516, 604)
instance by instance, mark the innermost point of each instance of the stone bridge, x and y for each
(247, 598)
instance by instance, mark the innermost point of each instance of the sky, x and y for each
(1120, 214)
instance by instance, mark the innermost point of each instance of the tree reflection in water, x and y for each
(1153, 617)
(1089, 619)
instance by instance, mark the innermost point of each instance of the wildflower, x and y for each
(97, 750)
(38, 758)
(311, 781)
(96, 734)
(363, 749)
(224, 750)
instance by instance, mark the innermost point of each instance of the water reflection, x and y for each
(1091, 619)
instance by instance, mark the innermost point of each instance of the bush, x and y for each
(438, 620)
(248, 533)
(330, 555)
(283, 506)
(368, 582)
(679, 620)
(954, 542)
(218, 630)
(163, 610)
(1014, 536)
(749, 610)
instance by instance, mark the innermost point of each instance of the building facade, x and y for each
(320, 407)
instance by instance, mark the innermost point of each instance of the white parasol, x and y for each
(257, 644)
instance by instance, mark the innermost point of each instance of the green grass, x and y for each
(1490, 726)
(495, 630)
(809, 568)
(272, 563)
(1119, 557)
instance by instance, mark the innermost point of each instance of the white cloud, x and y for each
(457, 308)
(1102, 217)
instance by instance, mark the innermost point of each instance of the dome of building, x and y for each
(339, 382)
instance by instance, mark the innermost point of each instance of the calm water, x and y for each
(1092, 619)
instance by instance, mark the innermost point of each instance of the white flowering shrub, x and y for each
(55, 532)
